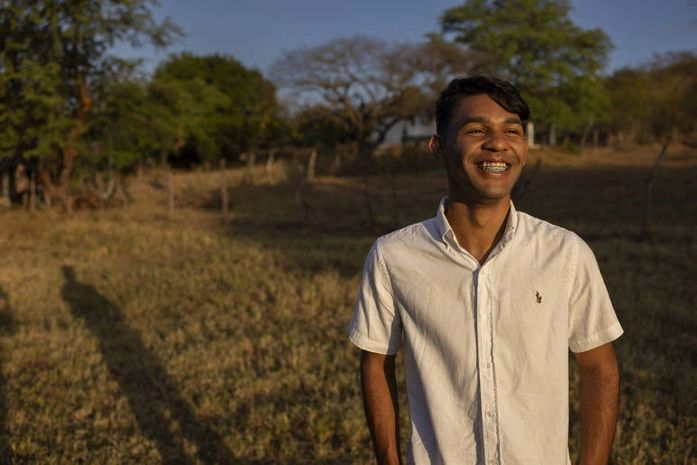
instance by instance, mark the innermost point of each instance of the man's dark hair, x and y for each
(501, 92)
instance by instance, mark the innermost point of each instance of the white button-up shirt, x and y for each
(485, 346)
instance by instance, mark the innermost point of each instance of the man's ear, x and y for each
(434, 144)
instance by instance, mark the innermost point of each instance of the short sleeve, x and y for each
(375, 326)
(592, 319)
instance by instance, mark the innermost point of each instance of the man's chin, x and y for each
(467, 190)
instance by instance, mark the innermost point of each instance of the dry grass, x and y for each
(134, 336)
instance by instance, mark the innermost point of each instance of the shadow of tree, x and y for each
(6, 329)
(162, 414)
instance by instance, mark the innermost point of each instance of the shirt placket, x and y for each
(486, 369)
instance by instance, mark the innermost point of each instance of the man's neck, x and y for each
(478, 227)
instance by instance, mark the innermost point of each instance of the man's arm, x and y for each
(379, 385)
(600, 382)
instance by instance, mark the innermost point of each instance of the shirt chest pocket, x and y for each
(534, 316)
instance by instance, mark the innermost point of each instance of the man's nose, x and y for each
(494, 142)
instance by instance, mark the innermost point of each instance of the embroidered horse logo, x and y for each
(538, 297)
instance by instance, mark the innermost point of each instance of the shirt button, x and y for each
(489, 413)
(488, 365)
(484, 316)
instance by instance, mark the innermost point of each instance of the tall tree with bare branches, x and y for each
(367, 85)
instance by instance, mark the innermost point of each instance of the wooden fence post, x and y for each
(530, 132)
(268, 167)
(311, 165)
(249, 168)
(299, 195)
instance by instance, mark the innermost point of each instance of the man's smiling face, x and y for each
(484, 149)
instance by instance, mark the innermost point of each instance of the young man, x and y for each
(486, 301)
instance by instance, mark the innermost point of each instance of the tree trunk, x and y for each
(121, 193)
(44, 177)
(32, 192)
(22, 185)
(632, 135)
(58, 186)
(336, 163)
(586, 133)
(70, 152)
(12, 185)
(49, 187)
(366, 152)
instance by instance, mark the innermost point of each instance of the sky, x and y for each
(258, 32)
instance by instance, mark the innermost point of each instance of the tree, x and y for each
(313, 129)
(365, 85)
(128, 126)
(51, 55)
(223, 108)
(656, 101)
(535, 45)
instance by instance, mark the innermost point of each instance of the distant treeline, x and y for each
(69, 110)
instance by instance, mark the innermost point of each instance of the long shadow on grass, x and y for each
(6, 328)
(162, 414)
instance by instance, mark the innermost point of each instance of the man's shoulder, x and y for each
(541, 230)
(413, 236)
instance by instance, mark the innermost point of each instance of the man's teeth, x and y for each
(493, 166)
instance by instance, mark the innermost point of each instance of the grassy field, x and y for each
(134, 336)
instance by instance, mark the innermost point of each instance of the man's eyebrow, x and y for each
(473, 119)
(481, 119)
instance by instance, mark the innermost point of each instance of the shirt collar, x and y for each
(447, 235)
